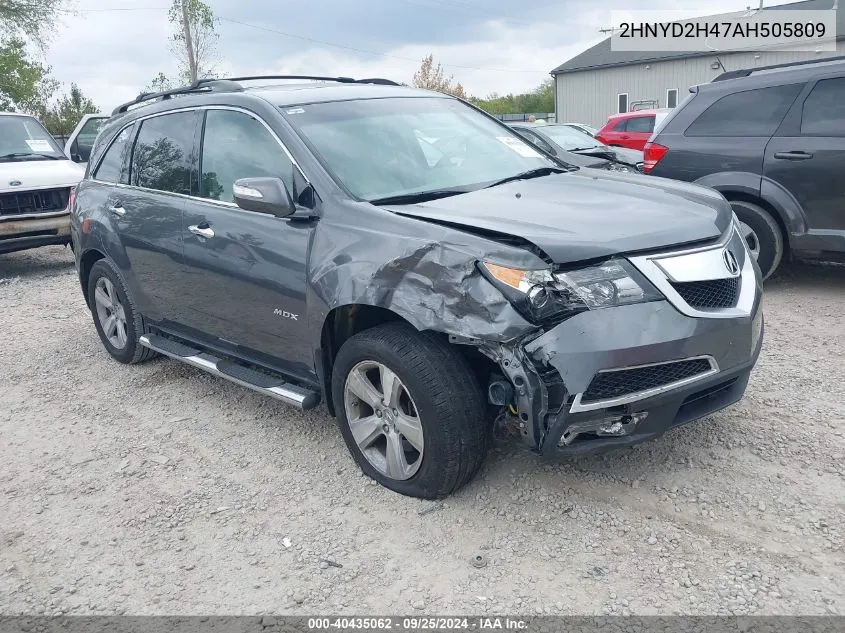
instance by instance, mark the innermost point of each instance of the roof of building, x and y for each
(601, 56)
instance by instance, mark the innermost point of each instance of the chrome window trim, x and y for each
(578, 407)
(193, 109)
(649, 266)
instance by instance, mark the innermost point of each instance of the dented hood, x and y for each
(586, 214)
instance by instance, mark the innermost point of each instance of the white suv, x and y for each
(37, 181)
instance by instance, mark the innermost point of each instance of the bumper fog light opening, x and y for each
(614, 426)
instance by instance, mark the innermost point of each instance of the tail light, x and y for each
(71, 197)
(652, 153)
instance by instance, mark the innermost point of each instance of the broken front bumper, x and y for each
(622, 375)
(677, 368)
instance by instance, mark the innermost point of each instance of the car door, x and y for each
(81, 140)
(807, 154)
(246, 271)
(144, 174)
(638, 129)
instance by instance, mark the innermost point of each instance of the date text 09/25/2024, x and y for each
(418, 623)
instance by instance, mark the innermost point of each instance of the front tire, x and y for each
(410, 410)
(762, 235)
(117, 321)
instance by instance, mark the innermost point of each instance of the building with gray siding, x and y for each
(600, 82)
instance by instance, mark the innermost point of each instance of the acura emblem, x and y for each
(730, 262)
(14, 183)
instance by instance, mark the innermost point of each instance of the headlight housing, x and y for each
(545, 297)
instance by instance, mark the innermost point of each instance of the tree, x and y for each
(29, 18)
(161, 83)
(194, 40)
(432, 77)
(541, 99)
(25, 84)
(62, 117)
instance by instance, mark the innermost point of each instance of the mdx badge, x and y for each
(285, 314)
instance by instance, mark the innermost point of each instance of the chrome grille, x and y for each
(622, 382)
(713, 293)
(33, 202)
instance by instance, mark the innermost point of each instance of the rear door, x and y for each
(638, 129)
(807, 154)
(148, 212)
(246, 271)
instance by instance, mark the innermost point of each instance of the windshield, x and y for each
(569, 138)
(381, 148)
(588, 129)
(24, 138)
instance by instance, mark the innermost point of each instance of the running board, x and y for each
(269, 384)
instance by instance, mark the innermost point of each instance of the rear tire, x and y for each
(439, 429)
(117, 321)
(765, 238)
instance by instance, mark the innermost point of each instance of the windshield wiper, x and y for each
(419, 196)
(27, 155)
(539, 172)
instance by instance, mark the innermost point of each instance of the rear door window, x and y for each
(748, 113)
(640, 124)
(824, 109)
(162, 156)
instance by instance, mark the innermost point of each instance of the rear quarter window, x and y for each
(756, 112)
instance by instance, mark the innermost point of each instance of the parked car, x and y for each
(302, 241)
(562, 139)
(586, 129)
(770, 139)
(81, 140)
(631, 129)
(36, 185)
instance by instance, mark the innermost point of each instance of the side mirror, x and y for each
(263, 195)
(74, 152)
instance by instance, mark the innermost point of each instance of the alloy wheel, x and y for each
(751, 239)
(110, 312)
(384, 420)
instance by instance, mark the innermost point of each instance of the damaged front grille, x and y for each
(34, 202)
(713, 293)
(622, 382)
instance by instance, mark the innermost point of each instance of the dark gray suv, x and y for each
(772, 141)
(407, 259)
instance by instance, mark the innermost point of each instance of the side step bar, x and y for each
(268, 384)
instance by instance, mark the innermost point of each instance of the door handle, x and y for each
(796, 155)
(116, 208)
(205, 232)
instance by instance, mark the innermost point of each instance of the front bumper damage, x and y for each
(619, 376)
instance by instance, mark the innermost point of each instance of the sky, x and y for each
(113, 48)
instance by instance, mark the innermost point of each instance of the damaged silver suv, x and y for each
(407, 259)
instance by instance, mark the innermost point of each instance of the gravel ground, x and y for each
(157, 489)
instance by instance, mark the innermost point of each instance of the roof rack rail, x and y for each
(231, 84)
(343, 80)
(201, 85)
(744, 72)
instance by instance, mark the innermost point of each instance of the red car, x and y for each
(631, 129)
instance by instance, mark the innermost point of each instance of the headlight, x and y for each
(546, 297)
